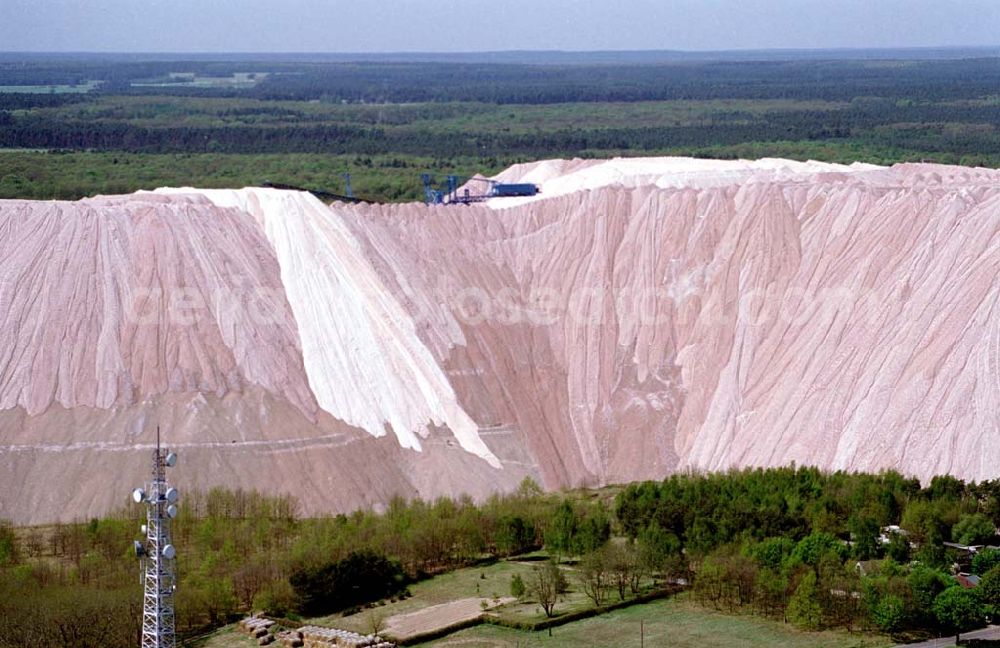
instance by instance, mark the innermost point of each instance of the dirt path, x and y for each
(992, 632)
(435, 617)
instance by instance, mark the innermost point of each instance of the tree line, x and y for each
(828, 550)
(914, 126)
(817, 549)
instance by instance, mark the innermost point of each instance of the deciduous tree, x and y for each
(959, 610)
(546, 583)
(804, 608)
(594, 576)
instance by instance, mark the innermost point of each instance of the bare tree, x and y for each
(594, 576)
(250, 579)
(545, 586)
(625, 568)
(375, 622)
(34, 543)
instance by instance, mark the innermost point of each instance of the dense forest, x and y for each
(820, 550)
(464, 117)
(830, 79)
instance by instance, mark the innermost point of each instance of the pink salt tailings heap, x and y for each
(638, 317)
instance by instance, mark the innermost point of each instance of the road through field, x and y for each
(992, 632)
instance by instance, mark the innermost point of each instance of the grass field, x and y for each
(227, 637)
(674, 623)
(488, 582)
(79, 88)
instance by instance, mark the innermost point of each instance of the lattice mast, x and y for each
(156, 553)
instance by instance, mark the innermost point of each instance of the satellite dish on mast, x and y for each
(172, 511)
(140, 551)
(138, 495)
(171, 495)
(171, 460)
(169, 552)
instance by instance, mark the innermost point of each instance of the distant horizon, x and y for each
(540, 50)
(377, 27)
(551, 55)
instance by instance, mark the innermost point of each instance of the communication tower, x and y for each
(156, 552)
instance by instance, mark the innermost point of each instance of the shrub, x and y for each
(517, 587)
(514, 535)
(973, 529)
(989, 591)
(276, 599)
(889, 613)
(925, 584)
(803, 608)
(361, 577)
(985, 560)
(814, 546)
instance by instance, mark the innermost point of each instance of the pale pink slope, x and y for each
(106, 302)
(121, 314)
(841, 319)
(640, 317)
(362, 356)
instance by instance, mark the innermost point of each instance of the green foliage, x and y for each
(804, 608)
(625, 567)
(592, 532)
(207, 600)
(772, 553)
(517, 587)
(72, 175)
(657, 547)
(864, 535)
(899, 548)
(812, 548)
(925, 583)
(932, 553)
(707, 511)
(959, 610)
(927, 519)
(275, 599)
(514, 535)
(992, 506)
(8, 544)
(361, 577)
(944, 487)
(985, 560)
(561, 529)
(973, 529)
(989, 591)
(889, 614)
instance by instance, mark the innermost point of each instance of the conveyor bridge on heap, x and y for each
(474, 189)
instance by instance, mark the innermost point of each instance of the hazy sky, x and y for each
(475, 25)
